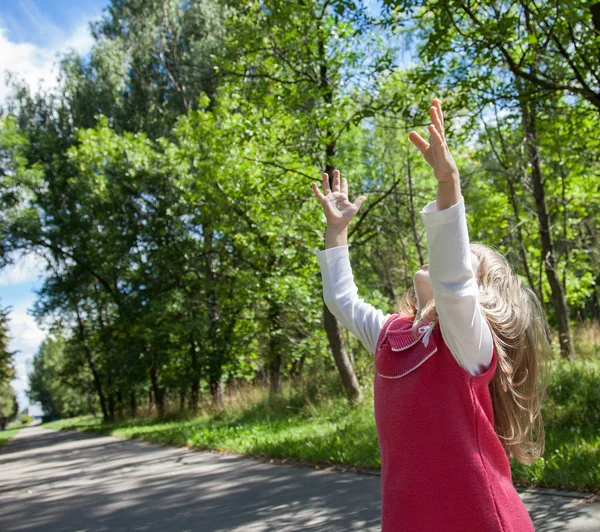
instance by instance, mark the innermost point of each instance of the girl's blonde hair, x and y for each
(517, 321)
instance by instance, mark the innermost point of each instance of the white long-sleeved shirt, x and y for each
(462, 324)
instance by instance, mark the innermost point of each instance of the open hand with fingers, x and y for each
(436, 151)
(338, 209)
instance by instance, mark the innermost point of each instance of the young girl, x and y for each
(460, 370)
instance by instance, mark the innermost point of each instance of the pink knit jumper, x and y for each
(443, 468)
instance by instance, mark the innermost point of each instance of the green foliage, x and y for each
(150, 63)
(26, 420)
(9, 407)
(7, 371)
(60, 381)
(571, 419)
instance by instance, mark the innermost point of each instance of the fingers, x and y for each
(438, 104)
(437, 141)
(338, 186)
(418, 141)
(326, 188)
(436, 119)
(317, 192)
(359, 201)
(336, 181)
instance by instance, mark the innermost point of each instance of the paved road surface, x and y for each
(59, 481)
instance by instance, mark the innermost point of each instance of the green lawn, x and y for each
(328, 431)
(7, 434)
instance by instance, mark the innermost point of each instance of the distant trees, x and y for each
(60, 382)
(7, 369)
(9, 406)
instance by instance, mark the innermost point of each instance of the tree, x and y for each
(60, 381)
(308, 61)
(9, 407)
(504, 50)
(7, 370)
(551, 46)
(150, 62)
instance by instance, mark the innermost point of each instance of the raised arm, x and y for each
(339, 290)
(451, 263)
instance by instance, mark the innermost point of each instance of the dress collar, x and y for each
(400, 334)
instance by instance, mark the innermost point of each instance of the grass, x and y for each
(572, 420)
(7, 434)
(287, 427)
(313, 423)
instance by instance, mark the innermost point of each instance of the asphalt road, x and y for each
(59, 481)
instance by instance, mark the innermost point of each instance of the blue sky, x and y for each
(33, 33)
(45, 23)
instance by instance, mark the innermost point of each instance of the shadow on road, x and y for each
(56, 481)
(84, 481)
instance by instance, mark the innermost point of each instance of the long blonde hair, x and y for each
(517, 321)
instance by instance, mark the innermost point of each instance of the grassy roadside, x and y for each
(330, 432)
(326, 430)
(7, 434)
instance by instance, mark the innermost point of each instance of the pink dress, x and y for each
(443, 468)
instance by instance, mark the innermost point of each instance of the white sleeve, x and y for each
(463, 326)
(341, 297)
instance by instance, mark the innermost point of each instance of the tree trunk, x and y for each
(195, 388)
(522, 251)
(548, 252)
(342, 362)
(90, 402)
(216, 391)
(521, 243)
(120, 402)
(195, 395)
(156, 391)
(111, 395)
(275, 376)
(595, 10)
(111, 405)
(216, 358)
(90, 361)
(132, 403)
(274, 355)
(297, 367)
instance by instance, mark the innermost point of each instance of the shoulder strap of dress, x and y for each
(391, 319)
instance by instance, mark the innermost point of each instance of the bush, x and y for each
(26, 420)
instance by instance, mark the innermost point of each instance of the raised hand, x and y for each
(338, 209)
(436, 151)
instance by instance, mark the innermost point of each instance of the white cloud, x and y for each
(24, 331)
(26, 337)
(26, 269)
(38, 66)
(81, 40)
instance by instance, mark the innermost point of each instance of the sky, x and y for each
(33, 33)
